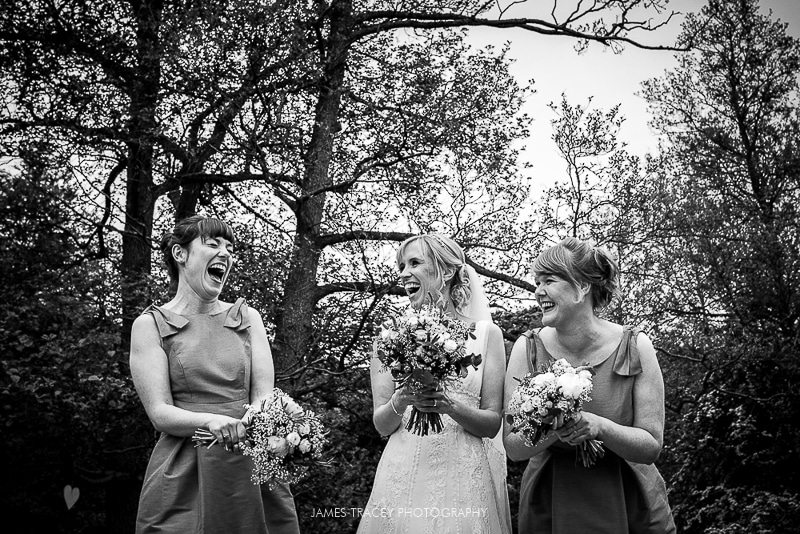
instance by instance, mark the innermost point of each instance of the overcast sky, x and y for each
(610, 78)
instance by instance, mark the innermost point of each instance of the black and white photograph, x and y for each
(400, 267)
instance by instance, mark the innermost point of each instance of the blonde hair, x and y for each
(446, 255)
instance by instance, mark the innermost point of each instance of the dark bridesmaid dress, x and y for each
(560, 496)
(208, 490)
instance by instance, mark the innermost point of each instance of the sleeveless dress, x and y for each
(560, 496)
(202, 490)
(450, 482)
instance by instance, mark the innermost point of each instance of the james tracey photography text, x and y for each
(399, 512)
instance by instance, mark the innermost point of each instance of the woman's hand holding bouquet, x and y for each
(545, 401)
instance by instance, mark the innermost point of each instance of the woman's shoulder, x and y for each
(643, 344)
(638, 337)
(154, 315)
(239, 315)
(487, 325)
(493, 333)
(146, 321)
(160, 320)
(528, 336)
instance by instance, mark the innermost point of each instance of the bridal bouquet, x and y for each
(423, 349)
(283, 439)
(541, 397)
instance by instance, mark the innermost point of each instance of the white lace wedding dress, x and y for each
(450, 482)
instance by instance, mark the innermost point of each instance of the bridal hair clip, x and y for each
(439, 240)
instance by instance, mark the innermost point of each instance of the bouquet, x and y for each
(542, 397)
(423, 349)
(283, 439)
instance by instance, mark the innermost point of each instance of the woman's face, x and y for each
(207, 264)
(418, 274)
(558, 299)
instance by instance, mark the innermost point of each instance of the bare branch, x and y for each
(364, 235)
(250, 209)
(361, 287)
(679, 356)
(398, 19)
(16, 125)
(121, 165)
(516, 282)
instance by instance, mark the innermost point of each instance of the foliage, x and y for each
(297, 104)
(729, 114)
(739, 510)
(325, 131)
(68, 406)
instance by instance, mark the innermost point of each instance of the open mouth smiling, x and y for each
(411, 288)
(217, 272)
(547, 306)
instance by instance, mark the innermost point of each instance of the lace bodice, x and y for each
(443, 472)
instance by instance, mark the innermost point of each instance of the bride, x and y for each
(452, 481)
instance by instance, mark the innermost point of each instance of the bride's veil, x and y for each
(477, 309)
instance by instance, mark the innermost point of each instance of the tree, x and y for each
(729, 116)
(606, 197)
(69, 410)
(325, 130)
(186, 99)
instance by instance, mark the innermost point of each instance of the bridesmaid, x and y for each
(622, 492)
(195, 362)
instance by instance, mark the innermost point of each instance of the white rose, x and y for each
(292, 408)
(412, 322)
(570, 386)
(277, 446)
(421, 335)
(450, 345)
(304, 446)
(542, 379)
(386, 334)
(293, 438)
(585, 374)
(527, 406)
(586, 385)
(304, 429)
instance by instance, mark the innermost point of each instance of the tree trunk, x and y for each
(294, 339)
(139, 202)
(139, 209)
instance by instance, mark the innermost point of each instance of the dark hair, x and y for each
(186, 231)
(579, 262)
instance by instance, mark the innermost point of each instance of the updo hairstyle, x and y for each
(579, 263)
(446, 255)
(186, 231)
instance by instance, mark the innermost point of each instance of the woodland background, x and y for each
(327, 132)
